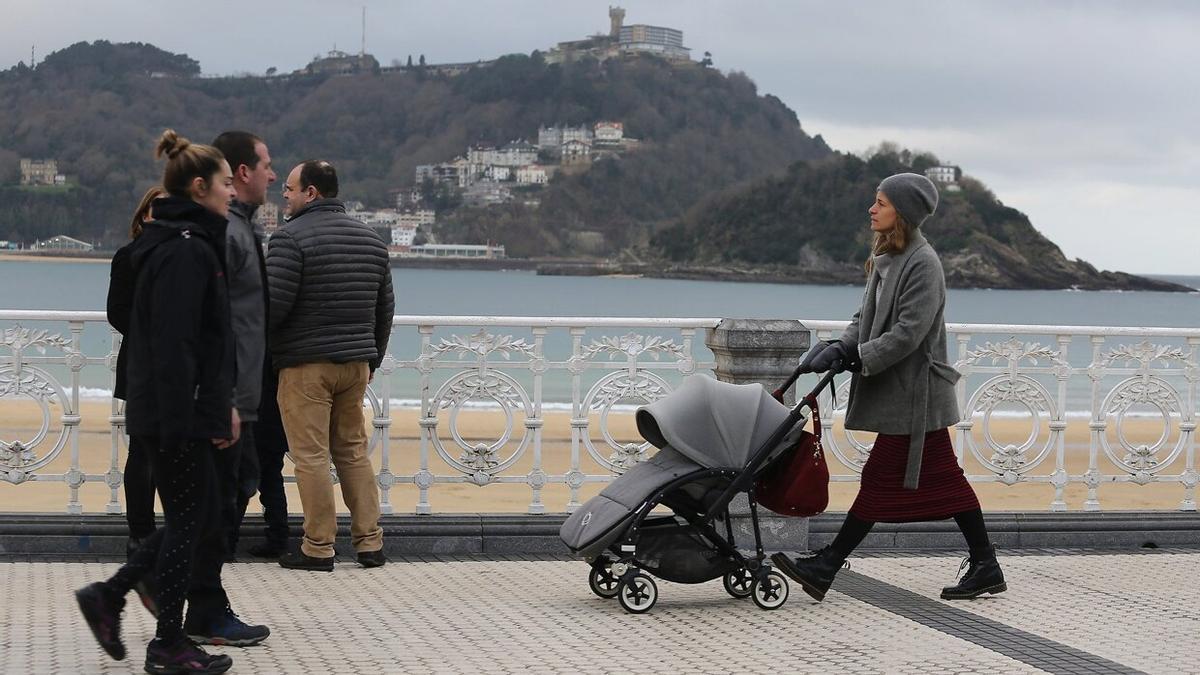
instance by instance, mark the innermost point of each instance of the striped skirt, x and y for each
(942, 490)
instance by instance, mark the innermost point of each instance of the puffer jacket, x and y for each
(330, 287)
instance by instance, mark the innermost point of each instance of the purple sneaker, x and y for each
(183, 657)
(102, 610)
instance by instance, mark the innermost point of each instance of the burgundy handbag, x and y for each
(797, 482)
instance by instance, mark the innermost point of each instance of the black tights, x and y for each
(186, 482)
(854, 530)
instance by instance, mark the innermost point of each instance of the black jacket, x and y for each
(331, 289)
(181, 357)
(120, 302)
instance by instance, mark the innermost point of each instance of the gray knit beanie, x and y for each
(913, 195)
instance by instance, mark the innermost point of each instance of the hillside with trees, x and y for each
(98, 108)
(724, 182)
(810, 224)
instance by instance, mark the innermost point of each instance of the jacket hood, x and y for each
(178, 217)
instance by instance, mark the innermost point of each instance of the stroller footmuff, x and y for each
(712, 438)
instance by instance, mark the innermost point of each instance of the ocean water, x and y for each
(83, 286)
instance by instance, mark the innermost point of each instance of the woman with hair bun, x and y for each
(179, 401)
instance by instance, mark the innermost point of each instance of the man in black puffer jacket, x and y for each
(331, 308)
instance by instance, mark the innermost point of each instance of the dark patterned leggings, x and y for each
(186, 482)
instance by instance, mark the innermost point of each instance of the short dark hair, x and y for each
(319, 174)
(238, 148)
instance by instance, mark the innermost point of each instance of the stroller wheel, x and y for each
(637, 593)
(738, 583)
(770, 591)
(601, 579)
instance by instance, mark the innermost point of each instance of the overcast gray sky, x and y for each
(1081, 114)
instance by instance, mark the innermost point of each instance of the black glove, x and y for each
(806, 362)
(837, 357)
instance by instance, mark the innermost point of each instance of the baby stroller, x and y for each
(714, 438)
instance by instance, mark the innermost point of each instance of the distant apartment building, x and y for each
(609, 133)
(486, 194)
(41, 172)
(576, 152)
(516, 153)
(659, 40)
(403, 236)
(456, 173)
(943, 174)
(532, 174)
(417, 218)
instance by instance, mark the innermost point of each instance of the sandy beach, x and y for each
(21, 419)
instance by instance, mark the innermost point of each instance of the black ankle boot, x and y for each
(983, 576)
(815, 574)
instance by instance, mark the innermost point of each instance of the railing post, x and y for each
(761, 351)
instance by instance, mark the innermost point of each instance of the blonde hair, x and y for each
(185, 161)
(894, 240)
(142, 213)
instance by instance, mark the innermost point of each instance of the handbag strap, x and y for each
(811, 402)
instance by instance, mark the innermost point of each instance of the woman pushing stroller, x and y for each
(903, 389)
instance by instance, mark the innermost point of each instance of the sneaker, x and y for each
(298, 560)
(146, 592)
(227, 630)
(183, 657)
(372, 558)
(101, 609)
(267, 550)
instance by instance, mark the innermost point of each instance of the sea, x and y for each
(82, 285)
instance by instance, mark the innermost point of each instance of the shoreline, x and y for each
(598, 268)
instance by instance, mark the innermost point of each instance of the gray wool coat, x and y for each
(906, 385)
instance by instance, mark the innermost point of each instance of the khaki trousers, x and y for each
(322, 409)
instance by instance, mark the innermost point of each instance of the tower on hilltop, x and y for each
(616, 16)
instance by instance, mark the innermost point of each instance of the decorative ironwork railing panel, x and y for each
(1104, 379)
(1134, 390)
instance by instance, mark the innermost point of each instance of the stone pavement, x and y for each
(1065, 612)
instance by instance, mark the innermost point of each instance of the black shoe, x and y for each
(267, 550)
(983, 576)
(227, 630)
(298, 560)
(372, 558)
(815, 574)
(183, 657)
(132, 546)
(101, 609)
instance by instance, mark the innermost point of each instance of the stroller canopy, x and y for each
(715, 424)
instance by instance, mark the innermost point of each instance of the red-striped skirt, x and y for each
(942, 490)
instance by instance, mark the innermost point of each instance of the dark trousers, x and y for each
(139, 489)
(272, 445)
(237, 476)
(187, 550)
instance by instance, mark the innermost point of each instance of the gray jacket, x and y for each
(330, 289)
(906, 385)
(246, 276)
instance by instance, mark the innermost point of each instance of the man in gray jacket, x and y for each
(331, 308)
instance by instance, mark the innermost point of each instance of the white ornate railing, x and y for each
(447, 368)
(1121, 377)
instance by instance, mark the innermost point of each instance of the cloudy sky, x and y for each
(1081, 114)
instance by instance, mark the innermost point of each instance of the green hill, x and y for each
(98, 108)
(810, 224)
